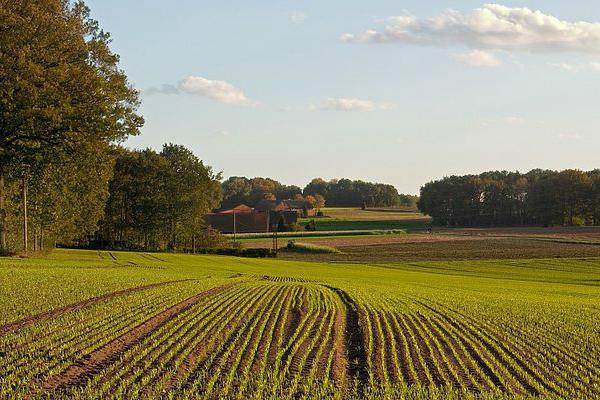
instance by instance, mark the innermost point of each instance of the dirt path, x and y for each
(356, 363)
(95, 361)
(46, 315)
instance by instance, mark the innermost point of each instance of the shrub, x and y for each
(311, 226)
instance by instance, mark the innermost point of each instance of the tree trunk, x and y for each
(24, 200)
(3, 245)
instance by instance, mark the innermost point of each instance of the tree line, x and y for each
(157, 200)
(500, 198)
(64, 103)
(334, 193)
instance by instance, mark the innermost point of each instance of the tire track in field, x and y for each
(357, 359)
(46, 315)
(98, 359)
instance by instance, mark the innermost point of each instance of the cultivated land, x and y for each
(346, 219)
(84, 324)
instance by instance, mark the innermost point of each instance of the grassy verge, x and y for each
(306, 234)
(311, 248)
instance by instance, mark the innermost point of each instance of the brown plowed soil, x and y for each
(95, 361)
(353, 339)
(46, 315)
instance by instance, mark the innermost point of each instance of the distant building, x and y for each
(302, 207)
(267, 216)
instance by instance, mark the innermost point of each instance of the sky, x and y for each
(401, 92)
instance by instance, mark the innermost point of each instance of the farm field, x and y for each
(449, 244)
(346, 219)
(85, 324)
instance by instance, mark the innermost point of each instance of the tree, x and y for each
(319, 201)
(594, 200)
(60, 89)
(311, 200)
(236, 190)
(503, 198)
(158, 200)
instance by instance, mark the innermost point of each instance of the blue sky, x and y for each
(400, 92)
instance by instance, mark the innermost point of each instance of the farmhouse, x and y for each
(267, 216)
(303, 208)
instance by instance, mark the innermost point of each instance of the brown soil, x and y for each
(95, 361)
(357, 360)
(46, 315)
(340, 363)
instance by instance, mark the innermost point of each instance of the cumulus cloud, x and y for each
(478, 58)
(490, 27)
(297, 17)
(221, 91)
(581, 67)
(350, 104)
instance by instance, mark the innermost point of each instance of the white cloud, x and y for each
(581, 67)
(297, 17)
(492, 27)
(350, 104)
(478, 58)
(221, 91)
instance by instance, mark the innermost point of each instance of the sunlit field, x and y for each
(88, 324)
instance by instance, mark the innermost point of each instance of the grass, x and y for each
(224, 327)
(349, 219)
(310, 248)
(313, 234)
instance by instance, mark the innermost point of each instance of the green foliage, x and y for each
(336, 193)
(241, 190)
(568, 197)
(348, 193)
(63, 101)
(157, 200)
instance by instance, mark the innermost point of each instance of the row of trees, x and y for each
(539, 197)
(241, 190)
(349, 193)
(158, 200)
(336, 193)
(64, 102)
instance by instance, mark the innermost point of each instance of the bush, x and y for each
(311, 226)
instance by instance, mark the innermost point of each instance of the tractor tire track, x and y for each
(98, 359)
(46, 315)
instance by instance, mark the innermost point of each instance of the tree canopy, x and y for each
(63, 102)
(158, 200)
(539, 197)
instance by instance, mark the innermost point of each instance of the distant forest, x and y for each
(334, 193)
(539, 197)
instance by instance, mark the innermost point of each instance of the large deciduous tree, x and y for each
(61, 91)
(158, 200)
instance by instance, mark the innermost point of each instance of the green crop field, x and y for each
(348, 219)
(84, 324)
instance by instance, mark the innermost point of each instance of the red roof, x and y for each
(241, 209)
